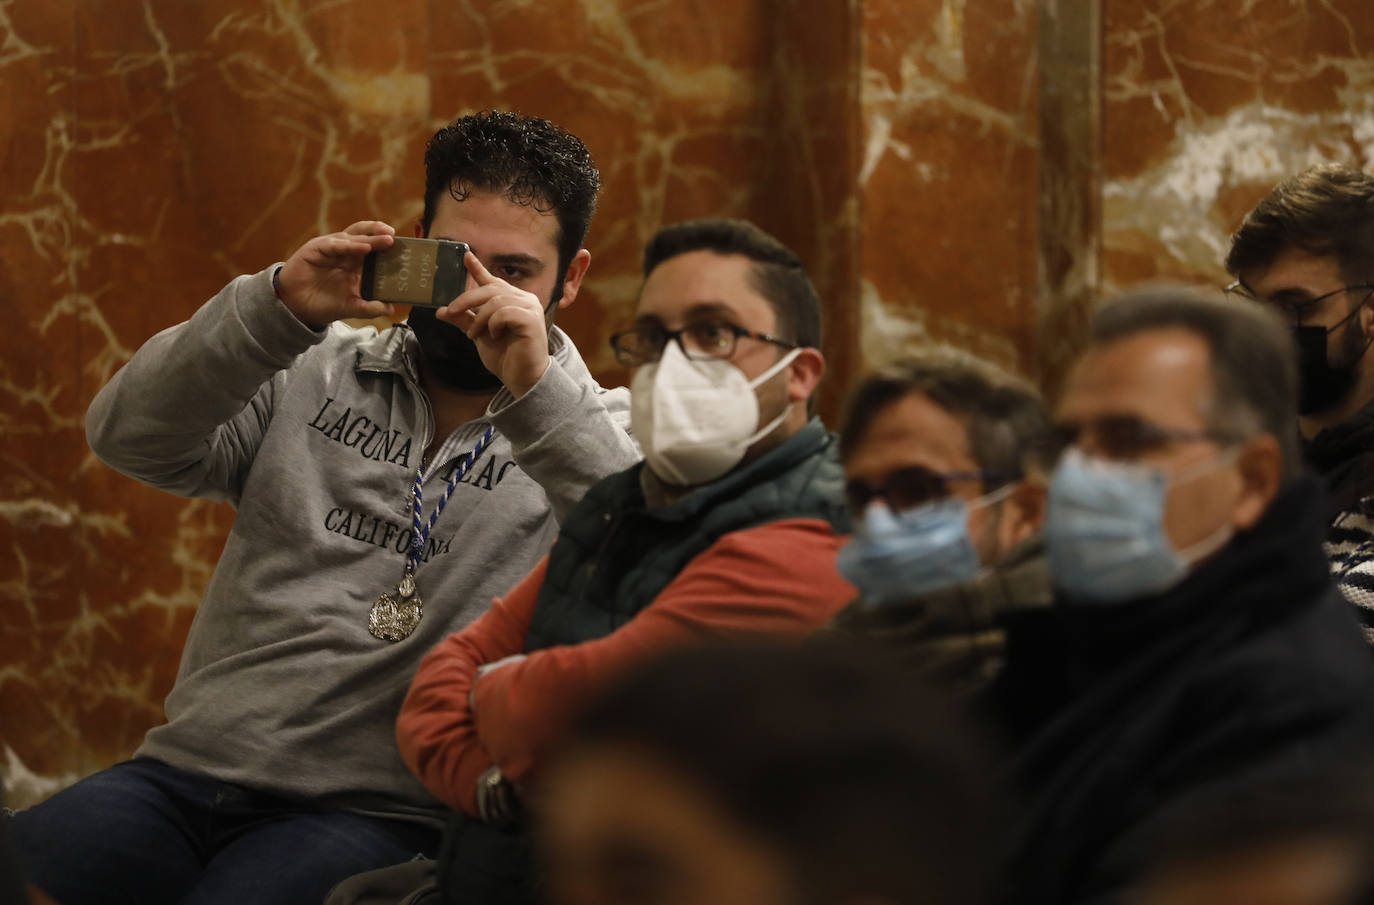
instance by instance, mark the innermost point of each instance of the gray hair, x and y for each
(1006, 421)
(1253, 358)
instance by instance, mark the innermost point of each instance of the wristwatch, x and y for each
(497, 801)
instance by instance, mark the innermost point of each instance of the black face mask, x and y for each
(1323, 384)
(451, 356)
(1323, 387)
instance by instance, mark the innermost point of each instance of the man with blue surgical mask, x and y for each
(1198, 647)
(944, 480)
(729, 528)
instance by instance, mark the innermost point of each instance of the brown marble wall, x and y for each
(742, 111)
(966, 170)
(947, 181)
(1069, 231)
(1207, 104)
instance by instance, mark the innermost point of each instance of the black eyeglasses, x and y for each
(1296, 308)
(644, 344)
(912, 486)
(1127, 437)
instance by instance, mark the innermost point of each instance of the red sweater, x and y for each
(776, 579)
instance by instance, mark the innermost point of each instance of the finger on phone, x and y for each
(480, 275)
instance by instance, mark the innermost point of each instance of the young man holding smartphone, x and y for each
(387, 486)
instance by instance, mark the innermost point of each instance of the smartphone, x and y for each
(425, 272)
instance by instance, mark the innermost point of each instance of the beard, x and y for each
(1350, 347)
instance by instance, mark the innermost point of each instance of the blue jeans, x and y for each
(147, 833)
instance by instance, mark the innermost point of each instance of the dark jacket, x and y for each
(1344, 456)
(615, 554)
(1252, 669)
(955, 638)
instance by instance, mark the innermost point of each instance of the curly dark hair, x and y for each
(530, 160)
(1327, 209)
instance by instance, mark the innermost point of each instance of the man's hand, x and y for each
(486, 668)
(320, 283)
(507, 325)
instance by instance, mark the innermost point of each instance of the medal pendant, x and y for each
(395, 615)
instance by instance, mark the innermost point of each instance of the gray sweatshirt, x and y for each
(315, 437)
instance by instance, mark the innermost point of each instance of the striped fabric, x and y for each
(1350, 547)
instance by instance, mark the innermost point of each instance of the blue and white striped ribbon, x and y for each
(420, 532)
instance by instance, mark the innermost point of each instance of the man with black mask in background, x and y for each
(1308, 250)
(387, 486)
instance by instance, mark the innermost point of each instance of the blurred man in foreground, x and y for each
(767, 776)
(1198, 644)
(1304, 842)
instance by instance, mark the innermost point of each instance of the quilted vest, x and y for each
(614, 555)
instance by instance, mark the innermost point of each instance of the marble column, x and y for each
(948, 195)
(1069, 229)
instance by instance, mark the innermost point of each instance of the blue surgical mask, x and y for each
(1104, 529)
(898, 556)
